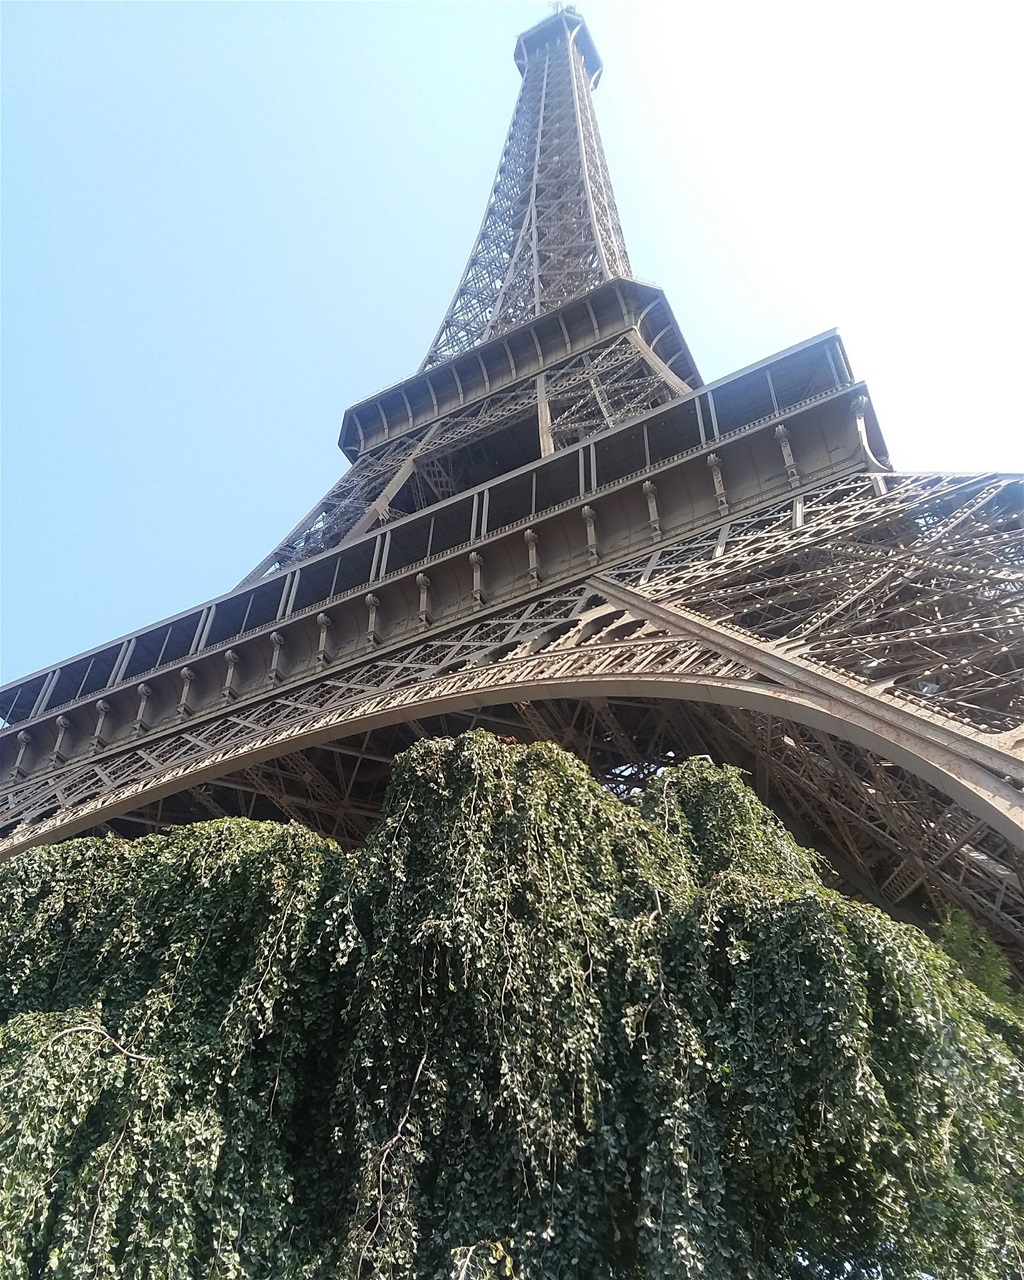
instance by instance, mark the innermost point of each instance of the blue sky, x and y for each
(225, 222)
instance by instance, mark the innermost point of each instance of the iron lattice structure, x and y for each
(551, 231)
(555, 530)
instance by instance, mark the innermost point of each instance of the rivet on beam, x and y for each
(57, 755)
(323, 621)
(102, 711)
(591, 521)
(183, 708)
(715, 467)
(372, 632)
(782, 435)
(531, 540)
(24, 742)
(228, 690)
(476, 560)
(650, 492)
(423, 582)
(140, 726)
(274, 674)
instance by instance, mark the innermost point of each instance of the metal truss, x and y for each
(551, 233)
(600, 388)
(922, 598)
(551, 230)
(737, 643)
(339, 510)
(555, 531)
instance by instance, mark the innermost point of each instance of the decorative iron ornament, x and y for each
(551, 231)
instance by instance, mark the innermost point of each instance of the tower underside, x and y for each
(756, 588)
(555, 530)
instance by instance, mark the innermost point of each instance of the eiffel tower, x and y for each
(555, 530)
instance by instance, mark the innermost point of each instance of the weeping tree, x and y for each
(528, 1030)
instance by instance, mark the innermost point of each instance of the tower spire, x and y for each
(551, 231)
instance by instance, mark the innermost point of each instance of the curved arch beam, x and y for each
(980, 792)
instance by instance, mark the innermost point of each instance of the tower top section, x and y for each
(565, 24)
(551, 230)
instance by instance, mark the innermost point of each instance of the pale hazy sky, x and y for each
(223, 223)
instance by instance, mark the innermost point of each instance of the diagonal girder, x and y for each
(941, 753)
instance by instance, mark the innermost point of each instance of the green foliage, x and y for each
(526, 1031)
(979, 957)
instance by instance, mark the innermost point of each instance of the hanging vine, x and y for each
(528, 1030)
